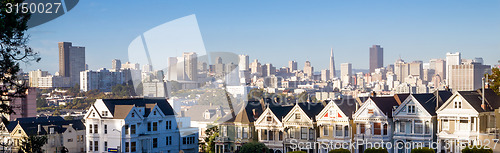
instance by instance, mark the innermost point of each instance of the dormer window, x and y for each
(133, 114)
(411, 109)
(458, 104)
(297, 116)
(104, 113)
(269, 119)
(93, 114)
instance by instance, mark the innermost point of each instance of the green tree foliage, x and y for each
(340, 150)
(33, 144)
(13, 50)
(494, 79)
(254, 147)
(477, 149)
(423, 150)
(212, 133)
(375, 150)
(123, 90)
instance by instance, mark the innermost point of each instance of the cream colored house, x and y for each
(334, 123)
(270, 129)
(301, 128)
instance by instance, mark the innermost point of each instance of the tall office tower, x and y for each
(172, 68)
(147, 68)
(440, 68)
(292, 65)
(451, 59)
(191, 66)
(432, 63)
(401, 70)
(478, 60)
(219, 67)
(416, 69)
(243, 64)
(256, 68)
(308, 69)
(376, 57)
(71, 61)
(325, 75)
(467, 76)
(345, 73)
(116, 64)
(332, 66)
(34, 75)
(268, 70)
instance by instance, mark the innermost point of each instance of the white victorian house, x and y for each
(415, 121)
(270, 128)
(300, 127)
(334, 123)
(137, 125)
(458, 120)
(374, 123)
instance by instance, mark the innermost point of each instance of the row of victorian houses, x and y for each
(110, 125)
(441, 120)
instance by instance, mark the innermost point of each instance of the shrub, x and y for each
(477, 149)
(340, 150)
(254, 147)
(422, 150)
(375, 150)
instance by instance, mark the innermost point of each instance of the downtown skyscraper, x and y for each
(71, 61)
(376, 57)
(332, 65)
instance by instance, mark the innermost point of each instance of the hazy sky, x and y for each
(277, 31)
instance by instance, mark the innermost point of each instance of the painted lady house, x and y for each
(334, 122)
(300, 127)
(415, 120)
(374, 122)
(270, 128)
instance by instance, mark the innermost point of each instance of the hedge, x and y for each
(374, 150)
(477, 149)
(422, 150)
(340, 150)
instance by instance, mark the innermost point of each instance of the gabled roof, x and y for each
(59, 126)
(348, 106)
(122, 107)
(311, 109)
(195, 112)
(385, 104)
(474, 99)
(249, 113)
(400, 97)
(491, 98)
(428, 100)
(280, 112)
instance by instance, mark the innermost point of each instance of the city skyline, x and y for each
(264, 35)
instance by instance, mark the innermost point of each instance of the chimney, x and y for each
(39, 129)
(483, 105)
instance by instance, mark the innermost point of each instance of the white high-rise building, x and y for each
(243, 62)
(346, 73)
(103, 79)
(292, 65)
(451, 59)
(34, 75)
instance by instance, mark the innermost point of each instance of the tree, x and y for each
(33, 144)
(212, 133)
(13, 49)
(494, 79)
(254, 147)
